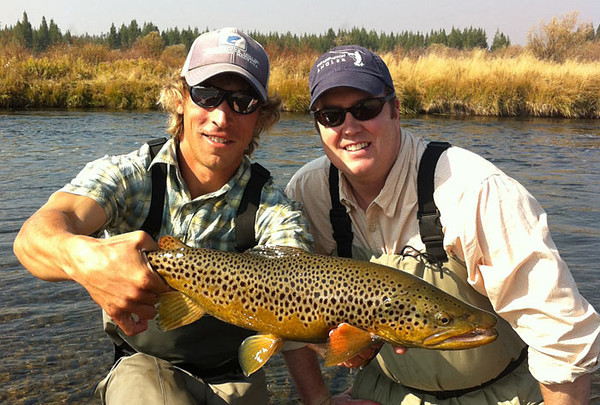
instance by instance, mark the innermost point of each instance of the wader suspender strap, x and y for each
(340, 220)
(430, 226)
(154, 218)
(245, 237)
(153, 221)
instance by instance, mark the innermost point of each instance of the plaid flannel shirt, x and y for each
(122, 185)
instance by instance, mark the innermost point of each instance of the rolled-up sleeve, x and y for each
(281, 221)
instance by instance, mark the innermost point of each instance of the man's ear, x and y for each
(396, 112)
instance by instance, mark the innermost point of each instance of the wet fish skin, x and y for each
(288, 294)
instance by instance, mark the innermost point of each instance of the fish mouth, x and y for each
(472, 338)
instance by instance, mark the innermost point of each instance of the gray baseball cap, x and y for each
(227, 50)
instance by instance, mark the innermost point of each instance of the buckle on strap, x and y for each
(430, 226)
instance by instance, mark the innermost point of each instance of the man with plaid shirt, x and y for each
(218, 108)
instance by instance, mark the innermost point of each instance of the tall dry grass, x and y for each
(437, 81)
(478, 83)
(90, 76)
(444, 81)
(289, 78)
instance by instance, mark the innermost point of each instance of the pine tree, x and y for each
(114, 40)
(455, 39)
(24, 32)
(41, 37)
(124, 36)
(134, 32)
(500, 41)
(148, 28)
(188, 36)
(171, 36)
(54, 33)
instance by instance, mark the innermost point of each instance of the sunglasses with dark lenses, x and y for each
(209, 97)
(363, 111)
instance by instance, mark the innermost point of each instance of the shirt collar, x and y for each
(168, 155)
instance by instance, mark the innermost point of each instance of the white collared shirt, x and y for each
(490, 222)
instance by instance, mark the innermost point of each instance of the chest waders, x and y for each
(441, 374)
(181, 346)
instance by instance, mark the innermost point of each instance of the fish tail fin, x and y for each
(256, 350)
(175, 310)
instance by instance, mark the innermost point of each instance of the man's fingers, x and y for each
(144, 241)
(145, 311)
(130, 325)
(354, 362)
(363, 358)
(400, 349)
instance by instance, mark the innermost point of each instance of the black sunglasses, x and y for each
(209, 97)
(363, 110)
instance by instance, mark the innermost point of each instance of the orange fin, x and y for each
(170, 243)
(175, 310)
(345, 342)
(256, 350)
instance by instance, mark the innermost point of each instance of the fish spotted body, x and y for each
(288, 294)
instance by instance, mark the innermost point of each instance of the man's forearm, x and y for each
(39, 243)
(43, 243)
(574, 393)
(306, 373)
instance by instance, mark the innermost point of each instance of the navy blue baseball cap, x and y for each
(349, 66)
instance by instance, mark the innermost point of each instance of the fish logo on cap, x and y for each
(356, 56)
(232, 40)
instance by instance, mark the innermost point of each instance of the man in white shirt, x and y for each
(498, 249)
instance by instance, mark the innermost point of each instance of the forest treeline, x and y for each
(557, 73)
(124, 37)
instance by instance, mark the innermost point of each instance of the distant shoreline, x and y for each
(439, 81)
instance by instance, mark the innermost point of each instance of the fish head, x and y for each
(432, 319)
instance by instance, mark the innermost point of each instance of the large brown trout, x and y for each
(288, 294)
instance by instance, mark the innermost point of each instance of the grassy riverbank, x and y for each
(436, 81)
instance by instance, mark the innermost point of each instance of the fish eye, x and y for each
(444, 319)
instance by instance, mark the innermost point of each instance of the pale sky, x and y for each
(512, 17)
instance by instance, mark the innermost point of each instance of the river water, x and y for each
(52, 346)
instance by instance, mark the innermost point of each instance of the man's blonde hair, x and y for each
(174, 93)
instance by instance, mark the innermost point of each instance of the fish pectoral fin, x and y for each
(170, 243)
(345, 342)
(256, 350)
(175, 310)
